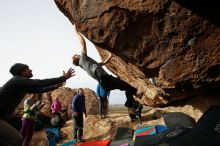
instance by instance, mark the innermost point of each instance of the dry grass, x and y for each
(120, 109)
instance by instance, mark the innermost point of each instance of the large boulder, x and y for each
(65, 96)
(167, 49)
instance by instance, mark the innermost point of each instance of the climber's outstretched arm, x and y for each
(81, 39)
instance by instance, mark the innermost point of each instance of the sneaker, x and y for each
(80, 140)
(139, 119)
(133, 120)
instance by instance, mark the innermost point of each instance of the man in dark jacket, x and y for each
(14, 90)
(78, 106)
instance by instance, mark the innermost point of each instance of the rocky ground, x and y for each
(96, 128)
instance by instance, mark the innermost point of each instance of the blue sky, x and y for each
(36, 33)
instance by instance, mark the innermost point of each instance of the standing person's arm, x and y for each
(108, 94)
(35, 105)
(42, 89)
(81, 40)
(27, 103)
(30, 84)
(85, 107)
(41, 86)
(98, 90)
(60, 105)
(52, 106)
(85, 111)
(74, 104)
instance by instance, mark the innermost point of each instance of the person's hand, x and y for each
(38, 102)
(69, 74)
(34, 106)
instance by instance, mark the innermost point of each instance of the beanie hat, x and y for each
(17, 68)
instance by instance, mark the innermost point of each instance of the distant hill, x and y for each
(116, 105)
(120, 108)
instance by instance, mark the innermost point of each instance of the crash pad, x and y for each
(94, 143)
(69, 143)
(147, 130)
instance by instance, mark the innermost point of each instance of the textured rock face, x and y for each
(167, 49)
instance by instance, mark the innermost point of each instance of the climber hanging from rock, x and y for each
(95, 70)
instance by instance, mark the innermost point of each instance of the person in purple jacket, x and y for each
(78, 106)
(14, 90)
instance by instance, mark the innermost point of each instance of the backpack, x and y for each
(56, 121)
